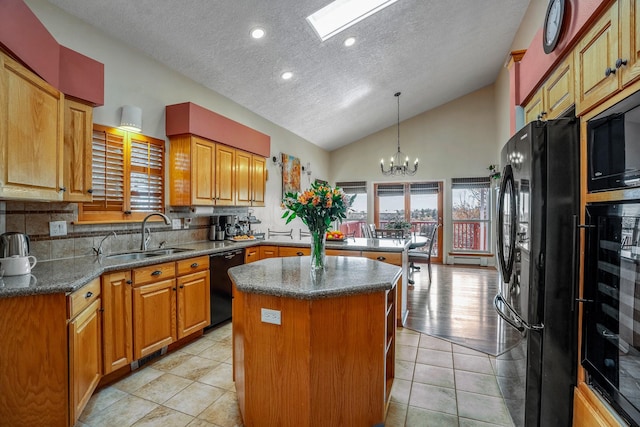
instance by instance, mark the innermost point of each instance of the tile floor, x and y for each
(437, 384)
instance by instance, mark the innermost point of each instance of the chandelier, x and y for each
(399, 163)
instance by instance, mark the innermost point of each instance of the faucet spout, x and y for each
(144, 242)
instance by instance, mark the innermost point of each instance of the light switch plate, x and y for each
(176, 224)
(58, 228)
(270, 316)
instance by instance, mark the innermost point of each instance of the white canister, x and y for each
(18, 265)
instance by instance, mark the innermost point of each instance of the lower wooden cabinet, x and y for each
(154, 317)
(251, 254)
(284, 251)
(268, 252)
(117, 327)
(193, 302)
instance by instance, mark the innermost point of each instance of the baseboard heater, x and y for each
(469, 259)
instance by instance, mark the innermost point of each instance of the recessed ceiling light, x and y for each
(257, 33)
(339, 15)
(286, 75)
(349, 41)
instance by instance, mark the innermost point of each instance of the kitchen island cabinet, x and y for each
(314, 351)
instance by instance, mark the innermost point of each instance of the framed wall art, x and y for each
(290, 173)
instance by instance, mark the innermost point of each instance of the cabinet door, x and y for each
(596, 52)
(243, 193)
(284, 251)
(258, 180)
(225, 159)
(194, 298)
(78, 122)
(558, 89)
(85, 364)
(31, 121)
(534, 108)
(268, 252)
(630, 40)
(154, 317)
(203, 174)
(117, 321)
(251, 254)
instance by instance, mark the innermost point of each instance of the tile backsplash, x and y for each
(33, 218)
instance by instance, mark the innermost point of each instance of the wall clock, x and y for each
(553, 25)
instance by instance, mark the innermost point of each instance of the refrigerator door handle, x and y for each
(519, 323)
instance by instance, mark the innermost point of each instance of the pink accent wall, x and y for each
(536, 65)
(22, 34)
(193, 119)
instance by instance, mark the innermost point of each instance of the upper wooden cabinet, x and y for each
(78, 122)
(607, 58)
(555, 96)
(31, 135)
(204, 173)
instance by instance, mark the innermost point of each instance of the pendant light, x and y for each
(399, 163)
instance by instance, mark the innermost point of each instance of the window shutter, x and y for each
(108, 170)
(147, 174)
(388, 190)
(424, 188)
(353, 187)
(462, 183)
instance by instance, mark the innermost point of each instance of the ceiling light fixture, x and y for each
(287, 75)
(349, 41)
(339, 15)
(399, 163)
(257, 33)
(131, 118)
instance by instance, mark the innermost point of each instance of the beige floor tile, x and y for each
(408, 339)
(465, 350)
(124, 412)
(466, 422)
(218, 350)
(221, 376)
(419, 417)
(200, 423)
(400, 391)
(165, 417)
(404, 370)
(435, 357)
(224, 412)
(434, 343)
(406, 352)
(434, 375)
(197, 346)
(194, 368)
(434, 398)
(195, 398)
(163, 388)
(483, 408)
(138, 379)
(171, 360)
(468, 362)
(101, 400)
(477, 383)
(220, 333)
(396, 415)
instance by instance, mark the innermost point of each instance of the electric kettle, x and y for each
(14, 243)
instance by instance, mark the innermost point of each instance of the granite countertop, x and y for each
(70, 274)
(291, 277)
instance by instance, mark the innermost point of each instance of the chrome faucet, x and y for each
(99, 250)
(145, 242)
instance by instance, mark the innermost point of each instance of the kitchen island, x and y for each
(314, 350)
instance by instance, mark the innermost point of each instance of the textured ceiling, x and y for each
(433, 51)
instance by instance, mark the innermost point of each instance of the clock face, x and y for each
(553, 24)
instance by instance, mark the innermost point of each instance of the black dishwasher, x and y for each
(221, 283)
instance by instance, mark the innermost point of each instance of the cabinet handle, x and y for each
(620, 62)
(129, 282)
(381, 258)
(609, 71)
(541, 115)
(299, 253)
(90, 191)
(181, 286)
(156, 273)
(89, 294)
(173, 289)
(194, 265)
(63, 189)
(127, 212)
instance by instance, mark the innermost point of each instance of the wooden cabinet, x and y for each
(250, 179)
(225, 162)
(607, 57)
(390, 343)
(194, 297)
(284, 251)
(85, 346)
(251, 254)
(77, 152)
(394, 258)
(268, 252)
(117, 343)
(588, 410)
(258, 180)
(31, 135)
(555, 96)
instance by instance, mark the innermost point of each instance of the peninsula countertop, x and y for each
(70, 274)
(291, 277)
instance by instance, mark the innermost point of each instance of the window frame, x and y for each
(473, 183)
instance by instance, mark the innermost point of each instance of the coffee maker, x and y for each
(229, 223)
(216, 231)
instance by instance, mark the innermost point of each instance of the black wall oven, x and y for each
(611, 301)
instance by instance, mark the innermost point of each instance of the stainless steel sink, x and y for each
(132, 256)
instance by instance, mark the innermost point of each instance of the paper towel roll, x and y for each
(202, 210)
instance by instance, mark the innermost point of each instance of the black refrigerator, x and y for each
(538, 208)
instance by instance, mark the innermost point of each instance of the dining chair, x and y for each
(416, 255)
(365, 231)
(279, 233)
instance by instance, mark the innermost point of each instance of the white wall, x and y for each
(133, 78)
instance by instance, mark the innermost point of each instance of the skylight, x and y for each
(339, 15)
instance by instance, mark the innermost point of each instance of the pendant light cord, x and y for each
(397, 95)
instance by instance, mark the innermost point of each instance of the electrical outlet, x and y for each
(187, 222)
(270, 316)
(176, 224)
(58, 228)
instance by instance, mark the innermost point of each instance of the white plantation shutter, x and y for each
(108, 171)
(147, 175)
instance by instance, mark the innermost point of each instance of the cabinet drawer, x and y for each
(388, 257)
(284, 251)
(341, 252)
(82, 298)
(192, 265)
(153, 273)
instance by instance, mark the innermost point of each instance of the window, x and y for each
(358, 213)
(471, 214)
(128, 176)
